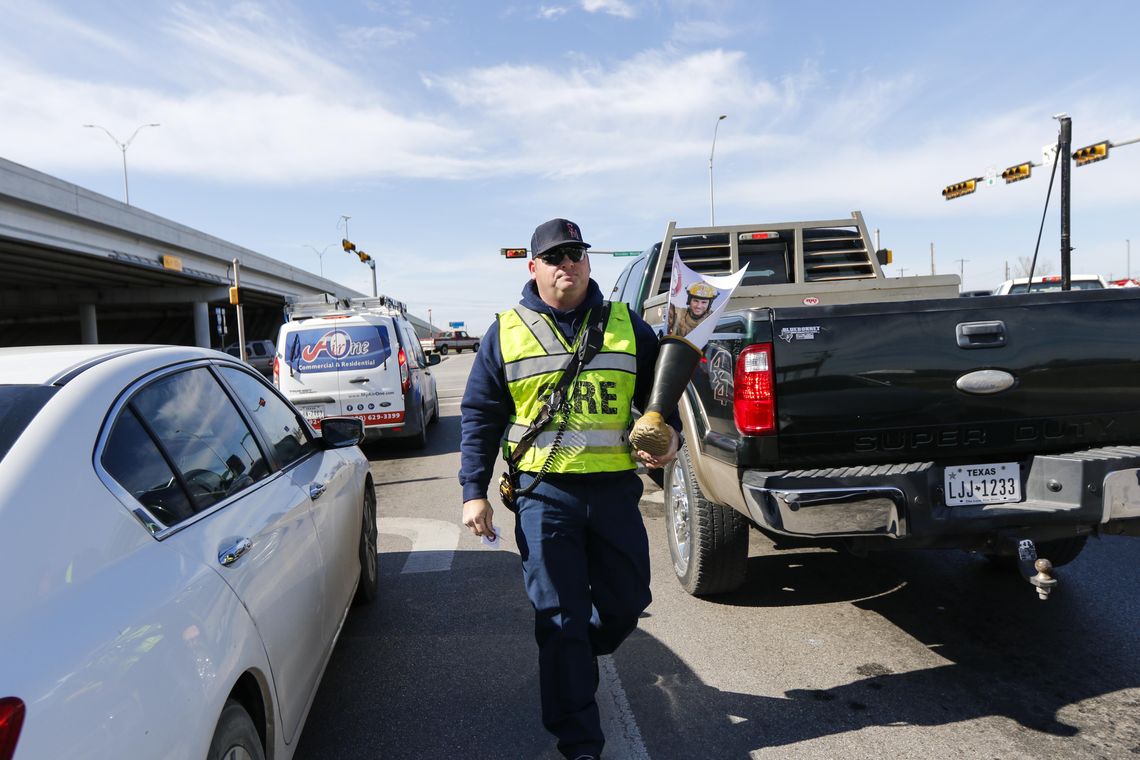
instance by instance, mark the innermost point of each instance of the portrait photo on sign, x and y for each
(695, 301)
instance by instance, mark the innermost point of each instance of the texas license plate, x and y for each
(313, 414)
(972, 484)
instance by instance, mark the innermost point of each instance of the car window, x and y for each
(278, 423)
(18, 405)
(203, 434)
(258, 349)
(412, 346)
(615, 294)
(131, 457)
(632, 292)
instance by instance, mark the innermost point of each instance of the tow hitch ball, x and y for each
(1028, 563)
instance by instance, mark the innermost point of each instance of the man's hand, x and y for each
(477, 516)
(653, 462)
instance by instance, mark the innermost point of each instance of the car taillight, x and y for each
(754, 391)
(405, 377)
(11, 720)
(276, 371)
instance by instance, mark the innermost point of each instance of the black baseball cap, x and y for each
(557, 232)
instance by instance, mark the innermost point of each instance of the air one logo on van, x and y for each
(335, 349)
(336, 344)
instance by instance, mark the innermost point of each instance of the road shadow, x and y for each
(443, 664)
(1008, 655)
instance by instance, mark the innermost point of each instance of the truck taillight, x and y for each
(277, 371)
(11, 720)
(405, 376)
(754, 391)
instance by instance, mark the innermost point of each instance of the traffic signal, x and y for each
(513, 253)
(348, 245)
(364, 257)
(958, 189)
(235, 296)
(885, 256)
(1017, 173)
(1089, 153)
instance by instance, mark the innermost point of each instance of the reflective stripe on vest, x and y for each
(596, 438)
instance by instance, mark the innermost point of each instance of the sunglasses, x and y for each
(554, 258)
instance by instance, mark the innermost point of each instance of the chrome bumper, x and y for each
(905, 501)
(869, 511)
(1122, 495)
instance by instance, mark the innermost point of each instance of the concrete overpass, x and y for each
(76, 266)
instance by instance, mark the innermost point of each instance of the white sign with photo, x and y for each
(696, 301)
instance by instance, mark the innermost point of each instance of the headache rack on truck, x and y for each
(326, 305)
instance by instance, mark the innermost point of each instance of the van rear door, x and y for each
(345, 369)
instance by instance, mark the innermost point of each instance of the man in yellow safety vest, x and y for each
(585, 553)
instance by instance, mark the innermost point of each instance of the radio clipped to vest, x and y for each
(588, 345)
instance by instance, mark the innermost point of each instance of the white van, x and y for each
(357, 358)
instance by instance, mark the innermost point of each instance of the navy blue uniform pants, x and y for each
(585, 559)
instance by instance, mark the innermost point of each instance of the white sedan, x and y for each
(178, 552)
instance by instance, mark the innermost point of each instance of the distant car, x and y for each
(1050, 283)
(450, 340)
(975, 293)
(179, 551)
(258, 353)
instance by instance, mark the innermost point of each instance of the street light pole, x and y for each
(431, 327)
(123, 147)
(320, 254)
(712, 204)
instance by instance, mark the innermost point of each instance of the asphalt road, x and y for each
(821, 655)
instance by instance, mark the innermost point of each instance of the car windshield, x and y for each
(19, 404)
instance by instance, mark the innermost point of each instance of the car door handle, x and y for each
(231, 555)
(359, 380)
(315, 490)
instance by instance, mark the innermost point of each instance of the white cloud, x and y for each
(551, 11)
(694, 32)
(618, 8)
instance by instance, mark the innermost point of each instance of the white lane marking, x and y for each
(433, 542)
(623, 737)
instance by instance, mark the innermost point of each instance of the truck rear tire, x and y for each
(708, 542)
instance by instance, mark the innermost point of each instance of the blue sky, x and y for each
(447, 130)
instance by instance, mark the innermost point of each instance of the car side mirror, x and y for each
(434, 359)
(342, 432)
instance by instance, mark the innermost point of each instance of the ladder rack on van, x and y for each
(326, 305)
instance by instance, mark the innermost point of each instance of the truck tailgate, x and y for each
(877, 383)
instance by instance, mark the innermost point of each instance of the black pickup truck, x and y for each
(836, 407)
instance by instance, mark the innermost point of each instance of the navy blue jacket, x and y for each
(487, 405)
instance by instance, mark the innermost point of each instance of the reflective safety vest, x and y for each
(596, 438)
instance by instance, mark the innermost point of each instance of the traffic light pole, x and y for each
(1065, 147)
(240, 319)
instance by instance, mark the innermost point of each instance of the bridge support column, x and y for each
(202, 324)
(88, 324)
